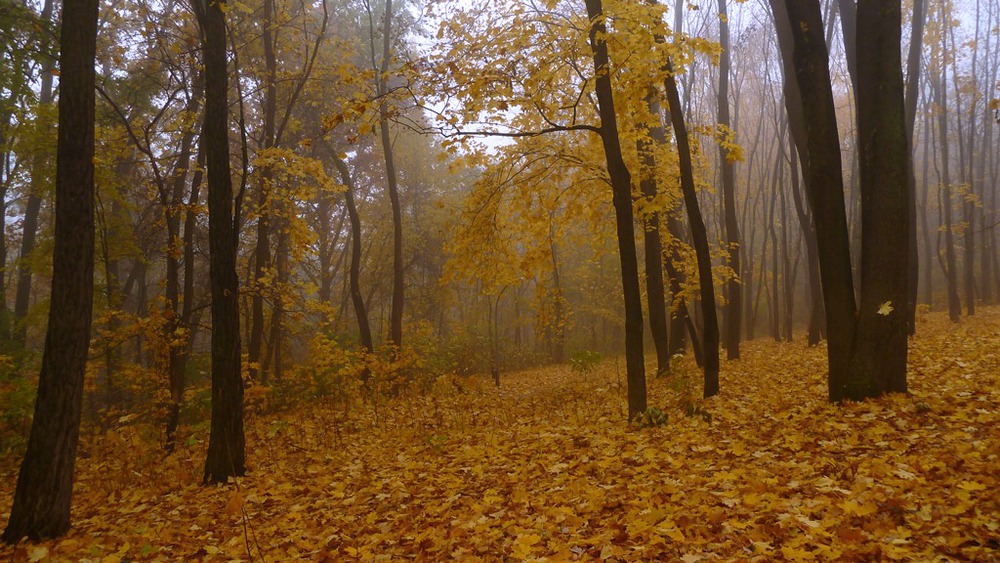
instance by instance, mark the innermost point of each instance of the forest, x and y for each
(499, 280)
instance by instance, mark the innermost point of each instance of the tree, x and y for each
(867, 346)
(396, 312)
(22, 299)
(44, 490)
(621, 187)
(226, 442)
(734, 291)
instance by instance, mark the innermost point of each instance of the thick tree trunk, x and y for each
(880, 347)
(621, 186)
(41, 507)
(226, 443)
(734, 289)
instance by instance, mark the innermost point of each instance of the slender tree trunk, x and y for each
(951, 268)
(396, 311)
(653, 246)
(41, 507)
(621, 186)
(734, 290)
(32, 209)
(262, 254)
(699, 235)
(912, 95)
(360, 310)
(176, 363)
(800, 36)
(226, 445)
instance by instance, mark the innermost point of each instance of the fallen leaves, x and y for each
(545, 468)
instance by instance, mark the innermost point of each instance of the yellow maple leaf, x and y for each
(885, 308)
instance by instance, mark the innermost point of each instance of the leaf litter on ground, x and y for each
(545, 468)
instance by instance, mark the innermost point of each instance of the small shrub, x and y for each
(584, 361)
(650, 418)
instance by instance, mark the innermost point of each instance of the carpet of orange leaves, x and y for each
(546, 469)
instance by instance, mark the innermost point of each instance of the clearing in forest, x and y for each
(545, 468)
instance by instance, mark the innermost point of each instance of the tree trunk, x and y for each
(22, 299)
(262, 254)
(912, 95)
(800, 35)
(360, 311)
(699, 235)
(653, 246)
(734, 290)
(41, 507)
(226, 443)
(951, 269)
(176, 364)
(621, 186)
(880, 348)
(396, 311)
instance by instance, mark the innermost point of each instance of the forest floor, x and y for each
(546, 468)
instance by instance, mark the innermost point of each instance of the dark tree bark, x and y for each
(867, 346)
(226, 441)
(360, 310)
(880, 347)
(621, 186)
(800, 34)
(22, 299)
(699, 235)
(41, 507)
(396, 310)
(262, 253)
(652, 244)
(176, 364)
(734, 289)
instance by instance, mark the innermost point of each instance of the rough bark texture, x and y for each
(621, 186)
(41, 507)
(226, 441)
(880, 349)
